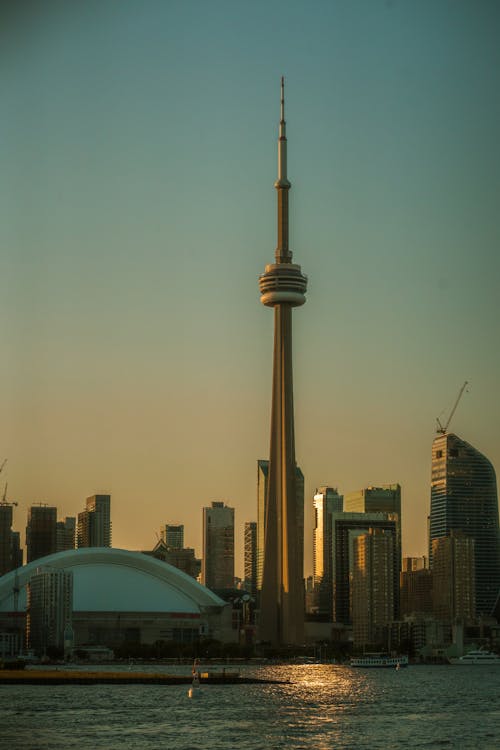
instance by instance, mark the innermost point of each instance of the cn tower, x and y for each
(283, 287)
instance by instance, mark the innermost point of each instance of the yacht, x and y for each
(379, 660)
(478, 656)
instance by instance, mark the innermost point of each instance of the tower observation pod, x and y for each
(282, 286)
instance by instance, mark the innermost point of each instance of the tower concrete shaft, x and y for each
(282, 286)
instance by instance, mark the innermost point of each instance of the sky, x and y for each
(138, 143)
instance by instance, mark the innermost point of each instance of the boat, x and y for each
(476, 656)
(380, 661)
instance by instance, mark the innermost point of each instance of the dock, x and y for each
(76, 677)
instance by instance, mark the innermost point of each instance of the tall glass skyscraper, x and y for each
(464, 498)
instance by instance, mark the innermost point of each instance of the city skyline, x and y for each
(137, 361)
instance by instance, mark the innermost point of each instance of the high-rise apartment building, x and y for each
(262, 489)
(326, 501)
(384, 499)
(345, 528)
(372, 584)
(66, 534)
(41, 531)
(282, 287)
(415, 587)
(50, 608)
(5, 538)
(217, 567)
(464, 498)
(94, 523)
(250, 560)
(173, 535)
(453, 577)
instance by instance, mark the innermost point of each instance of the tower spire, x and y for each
(282, 185)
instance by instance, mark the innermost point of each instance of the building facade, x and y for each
(372, 585)
(415, 587)
(94, 523)
(383, 499)
(173, 535)
(50, 608)
(66, 534)
(5, 538)
(345, 528)
(326, 502)
(464, 498)
(250, 560)
(217, 567)
(453, 577)
(41, 531)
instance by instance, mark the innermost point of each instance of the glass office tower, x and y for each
(464, 498)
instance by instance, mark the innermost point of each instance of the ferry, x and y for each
(478, 656)
(380, 661)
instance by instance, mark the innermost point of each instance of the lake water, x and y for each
(324, 707)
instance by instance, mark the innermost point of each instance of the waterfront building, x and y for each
(94, 523)
(250, 560)
(282, 287)
(41, 531)
(415, 587)
(464, 498)
(217, 567)
(345, 528)
(173, 535)
(50, 608)
(453, 577)
(66, 534)
(372, 584)
(124, 597)
(262, 494)
(326, 501)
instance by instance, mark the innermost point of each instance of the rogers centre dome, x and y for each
(120, 595)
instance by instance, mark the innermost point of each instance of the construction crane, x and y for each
(4, 501)
(443, 429)
(3, 464)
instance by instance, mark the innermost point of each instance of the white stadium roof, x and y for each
(114, 580)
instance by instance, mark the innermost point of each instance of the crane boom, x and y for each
(444, 429)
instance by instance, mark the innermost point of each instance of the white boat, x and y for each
(380, 661)
(477, 656)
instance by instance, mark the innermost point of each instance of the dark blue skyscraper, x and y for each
(464, 497)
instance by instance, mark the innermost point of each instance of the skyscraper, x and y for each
(41, 531)
(464, 498)
(345, 528)
(173, 535)
(5, 538)
(415, 587)
(94, 523)
(282, 287)
(217, 567)
(372, 584)
(453, 577)
(50, 608)
(250, 582)
(326, 501)
(384, 499)
(66, 534)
